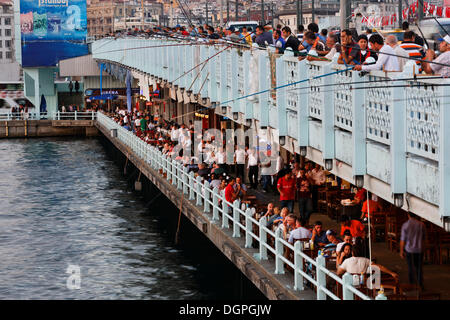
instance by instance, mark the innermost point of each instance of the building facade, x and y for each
(9, 66)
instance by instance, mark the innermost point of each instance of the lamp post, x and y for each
(262, 12)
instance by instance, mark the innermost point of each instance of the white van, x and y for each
(250, 25)
(432, 30)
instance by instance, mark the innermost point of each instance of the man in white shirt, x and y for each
(387, 59)
(300, 231)
(174, 134)
(239, 160)
(252, 167)
(401, 53)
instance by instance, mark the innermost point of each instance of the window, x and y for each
(7, 21)
(1, 44)
(7, 43)
(1, 55)
(7, 32)
(8, 55)
(0, 30)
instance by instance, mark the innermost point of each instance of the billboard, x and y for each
(52, 30)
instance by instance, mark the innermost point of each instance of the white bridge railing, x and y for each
(229, 216)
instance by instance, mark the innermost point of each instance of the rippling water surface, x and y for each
(64, 202)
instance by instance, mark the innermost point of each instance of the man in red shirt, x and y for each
(356, 228)
(230, 193)
(286, 187)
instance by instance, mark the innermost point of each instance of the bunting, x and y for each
(428, 9)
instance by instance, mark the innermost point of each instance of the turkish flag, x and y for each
(447, 12)
(439, 11)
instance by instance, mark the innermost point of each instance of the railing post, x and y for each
(225, 211)
(248, 228)
(180, 176)
(185, 181)
(347, 282)
(279, 264)
(206, 195)
(59, 115)
(76, 115)
(93, 117)
(321, 277)
(398, 141)
(236, 216)
(262, 239)
(199, 190)
(175, 172)
(169, 168)
(215, 197)
(298, 266)
(191, 186)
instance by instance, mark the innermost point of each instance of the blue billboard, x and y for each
(52, 30)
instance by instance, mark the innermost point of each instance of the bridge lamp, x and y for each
(224, 109)
(204, 100)
(359, 181)
(282, 140)
(398, 200)
(447, 224)
(214, 105)
(248, 122)
(303, 151)
(329, 164)
(236, 116)
(189, 93)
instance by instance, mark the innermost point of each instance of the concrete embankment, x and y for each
(47, 128)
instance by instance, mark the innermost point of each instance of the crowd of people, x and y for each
(290, 182)
(367, 51)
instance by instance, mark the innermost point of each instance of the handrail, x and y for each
(186, 183)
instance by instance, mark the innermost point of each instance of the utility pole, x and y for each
(262, 12)
(228, 11)
(400, 15)
(420, 11)
(221, 13)
(207, 22)
(171, 14)
(273, 19)
(143, 15)
(312, 11)
(344, 13)
(236, 7)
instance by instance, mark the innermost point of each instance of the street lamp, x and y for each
(303, 151)
(359, 181)
(398, 200)
(329, 164)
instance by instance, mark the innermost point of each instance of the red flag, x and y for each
(405, 13)
(425, 7)
(432, 9)
(439, 11)
(447, 12)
